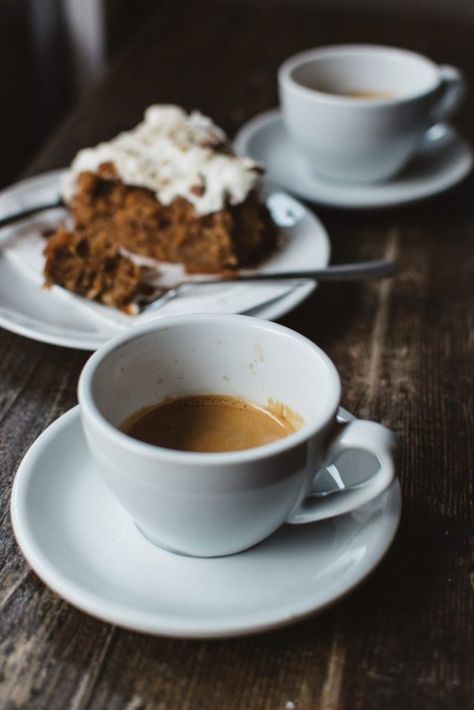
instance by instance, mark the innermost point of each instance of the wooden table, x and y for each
(404, 351)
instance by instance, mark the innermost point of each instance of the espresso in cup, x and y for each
(362, 94)
(355, 93)
(210, 423)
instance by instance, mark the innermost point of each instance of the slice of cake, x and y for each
(171, 190)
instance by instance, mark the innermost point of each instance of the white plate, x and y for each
(84, 546)
(442, 161)
(59, 317)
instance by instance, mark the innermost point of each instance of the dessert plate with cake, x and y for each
(164, 202)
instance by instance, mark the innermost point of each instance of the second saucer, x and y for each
(442, 161)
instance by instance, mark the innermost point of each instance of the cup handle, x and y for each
(357, 434)
(453, 88)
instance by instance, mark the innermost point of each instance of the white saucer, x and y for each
(59, 317)
(442, 161)
(85, 547)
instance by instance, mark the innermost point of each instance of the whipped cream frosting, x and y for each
(173, 154)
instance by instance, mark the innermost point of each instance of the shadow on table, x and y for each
(328, 314)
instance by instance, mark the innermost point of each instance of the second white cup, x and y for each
(357, 113)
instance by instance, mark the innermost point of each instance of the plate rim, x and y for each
(153, 624)
(89, 342)
(263, 119)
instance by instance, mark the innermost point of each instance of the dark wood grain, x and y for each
(404, 349)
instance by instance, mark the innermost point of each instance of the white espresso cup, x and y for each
(210, 504)
(358, 113)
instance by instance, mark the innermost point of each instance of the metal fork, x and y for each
(340, 272)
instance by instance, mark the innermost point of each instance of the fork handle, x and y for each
(341, 272)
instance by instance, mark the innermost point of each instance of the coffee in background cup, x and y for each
(358, 113)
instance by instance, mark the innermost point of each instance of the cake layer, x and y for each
(90, 265)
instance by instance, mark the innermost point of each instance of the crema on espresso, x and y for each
(208, 423)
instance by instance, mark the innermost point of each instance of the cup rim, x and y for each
(91, 411)
(286, 80)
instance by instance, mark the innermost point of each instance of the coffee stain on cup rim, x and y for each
(282, 411)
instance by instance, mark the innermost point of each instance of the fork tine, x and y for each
(162, 300)
(172, 293)
(255, 310)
